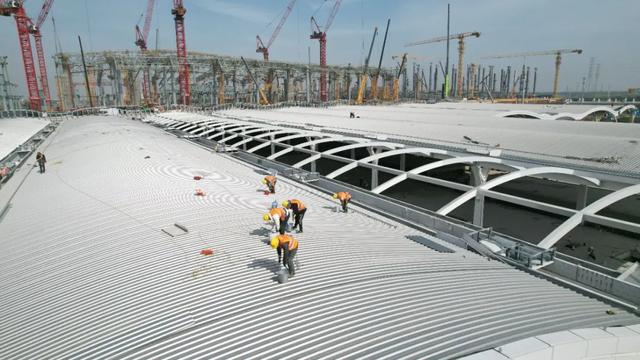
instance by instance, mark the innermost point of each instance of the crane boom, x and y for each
(444, 38)
(44, 11)
(147, 19)
(264, 49)
(534, 53)
(374, 79)
(364, 75)
(332, 16)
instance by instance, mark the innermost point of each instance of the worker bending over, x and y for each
(298, 209)
(270, 181)
(287, 247)
(344, 198)
(279, 218)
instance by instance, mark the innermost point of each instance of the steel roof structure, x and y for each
(608, 148)
(88, 272)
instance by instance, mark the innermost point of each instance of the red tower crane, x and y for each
(141, 42)
(178, 12)
(264, 49)
(34, 29)
(321, 35)
(16, 9)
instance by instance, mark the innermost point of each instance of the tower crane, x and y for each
(365, 76)
(558, 53)
(34, 29)
(321, 36)
(16, 9)
(141, 42)
(178, 12)
(264, 49)
(460, 37)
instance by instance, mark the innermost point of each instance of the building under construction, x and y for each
(116, 79)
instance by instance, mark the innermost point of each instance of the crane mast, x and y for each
(34, 29)
(365, 76)
(178, 12)
(16, 9)
(321, 36)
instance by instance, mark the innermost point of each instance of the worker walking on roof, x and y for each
(344, 198)
(298, 209)
(41, 159)
(287, 247)
(279, 217)
(270, 181)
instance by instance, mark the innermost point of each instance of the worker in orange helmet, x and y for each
(270, 181)
(344, 198)
(279, 217)
(298, 209)
(287, 247)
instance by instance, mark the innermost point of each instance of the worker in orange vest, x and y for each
(270, 181)
(279, 217)
(298, 209)
(286, 245)
(344, 198)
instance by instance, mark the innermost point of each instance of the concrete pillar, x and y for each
(353, 154)
(403, 162)
(374, 172)
(479, 174)
(478, 210)
(581, 201)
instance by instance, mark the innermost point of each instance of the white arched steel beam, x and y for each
(222, 129)
(263, 131)
(355, 163)
(311, 143)
(268, 142)
(434, 165)
(344, 148)
(236, 134)
(455, 203)
(290, 137)
(625, 108)
(592, 209)
(206, 126)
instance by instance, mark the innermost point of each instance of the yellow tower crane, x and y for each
(558, 53)
(460, 38)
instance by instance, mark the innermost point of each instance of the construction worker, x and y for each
(344, 198)
(41, 159)
(298, 209)
(286, 245)
(279, 217)
(270, 181)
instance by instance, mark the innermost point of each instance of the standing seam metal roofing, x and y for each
(86, 271)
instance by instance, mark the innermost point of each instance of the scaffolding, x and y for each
(115, 79)
(8, 101)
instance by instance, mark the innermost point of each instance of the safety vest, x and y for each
(343, 195)
(270, 179)
(288, 242)
(279, 213)
(298, 203)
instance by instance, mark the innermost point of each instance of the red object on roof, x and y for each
(200, 192)
(206, 252)
(197, 177)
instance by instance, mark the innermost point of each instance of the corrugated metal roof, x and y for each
(87, 272)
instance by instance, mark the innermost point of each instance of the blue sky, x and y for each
(606, 30)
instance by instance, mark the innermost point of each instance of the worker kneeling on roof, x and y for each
(344, 198)
(270, 181)
(298, 209)
(279, 217)
(287, 247)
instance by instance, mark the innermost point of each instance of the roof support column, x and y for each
(403, 162)
(273, 145)
(581, 201)
(313, 163)
(478, 209)
(374, 172)
(479, 174)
